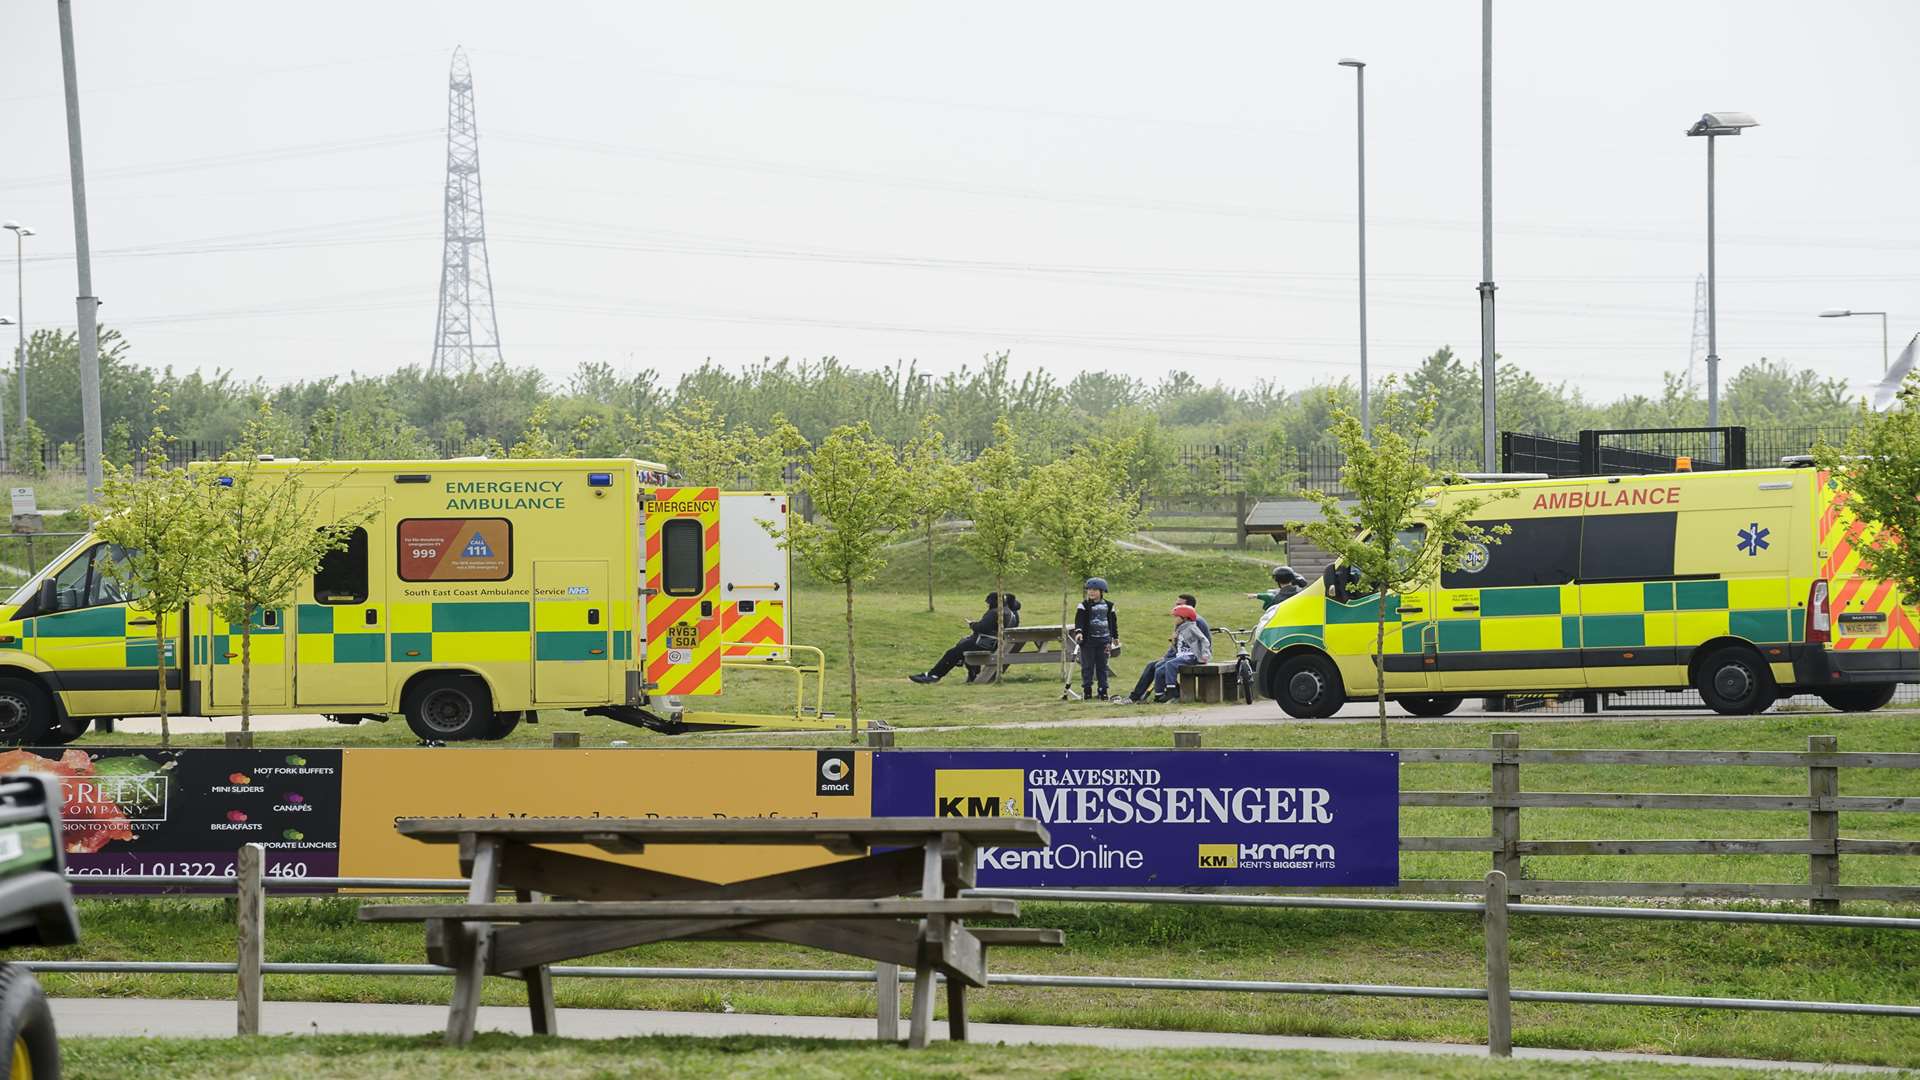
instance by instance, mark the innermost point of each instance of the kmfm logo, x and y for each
(1219, 856)
(1234, 856)
(979, 793)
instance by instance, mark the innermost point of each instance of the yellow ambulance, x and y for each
(471, 594)
(1746, 586)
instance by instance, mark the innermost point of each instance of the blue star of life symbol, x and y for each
(1753, 539)
(477, 548)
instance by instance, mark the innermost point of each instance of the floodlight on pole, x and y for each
(1713, 125)
(1360, 138)
(1842, 313)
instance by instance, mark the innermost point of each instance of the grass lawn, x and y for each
(353, 1057)
(898, 636)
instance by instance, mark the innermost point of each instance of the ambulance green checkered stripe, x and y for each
(1613, 631)
(1362, 611)
(140, 654)
(403, 644)
(316, 619)
(359, 648)
(622, 644)
(1542, 600)
(1700, 595)
(1569, 631)
(570, 645)
(1279, 637)
(1759, 625)
(1657, 596)
(1459, 635)
(89, 622)
(482, 615)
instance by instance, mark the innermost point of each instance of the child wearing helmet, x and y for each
(1096, 627)
(1189, 646)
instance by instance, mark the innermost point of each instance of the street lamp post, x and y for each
(1714, 125)
(1360, 138)
(1841, 313)
(20, 233)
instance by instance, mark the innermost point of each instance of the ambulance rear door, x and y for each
(756, 576)
(683, 548)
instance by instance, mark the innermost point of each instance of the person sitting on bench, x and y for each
(1189, 646)
(980, 638)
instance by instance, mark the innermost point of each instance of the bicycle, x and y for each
(1242, 660)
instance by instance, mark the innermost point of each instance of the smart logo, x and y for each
(833, 772)
(979, 793)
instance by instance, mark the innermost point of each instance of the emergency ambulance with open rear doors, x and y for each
(1746, 586)
(470, 595)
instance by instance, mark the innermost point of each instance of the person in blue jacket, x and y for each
(1096, 627)
(981, 636)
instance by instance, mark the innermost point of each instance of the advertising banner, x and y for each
(186, 812)
(385, 784)
(1166, 817)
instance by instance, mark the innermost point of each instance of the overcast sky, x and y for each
(1134, 187)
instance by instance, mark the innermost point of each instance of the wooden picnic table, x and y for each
(1046, 644)
(841, 906)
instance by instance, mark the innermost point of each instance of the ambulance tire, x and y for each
(450, 708)
(504, 723)
(26, 713)
(68, 730)
(1307, 686)
(1734, 681)
(1859, 698)
(1431, 704)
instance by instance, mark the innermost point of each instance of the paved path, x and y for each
(169, 1018)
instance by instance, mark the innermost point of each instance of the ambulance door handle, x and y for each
(1466, 607)
(140, 622)
(1412, 610)
(593, 616)
(373, 617)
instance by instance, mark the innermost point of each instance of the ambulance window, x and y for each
(70, 584)
(682, 554)
(342, 575)
(1538, 551)
(1627, 547)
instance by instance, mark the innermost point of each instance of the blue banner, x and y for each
(1165, 817)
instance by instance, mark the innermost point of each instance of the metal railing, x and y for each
(1492, 908)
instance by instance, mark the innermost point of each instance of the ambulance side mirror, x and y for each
(48, 598)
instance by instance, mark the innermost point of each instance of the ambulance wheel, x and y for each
(1734, 681)
(1307, 686)
(1859, 698)
(505, 722)
(450, 708)
(1431, 704)
(26, 1026)
(68, 730)
(26, 714)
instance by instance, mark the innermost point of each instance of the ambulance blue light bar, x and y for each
(599, 479)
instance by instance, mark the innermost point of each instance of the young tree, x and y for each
(158, 522)
(999, 502)
(1878, 473)
(1081, 509)
(1393, 537)
(934, 486)
(264, 532)
(855, 485)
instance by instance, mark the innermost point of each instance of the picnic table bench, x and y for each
(1211, 682)
(1046, 644)
(847, 907)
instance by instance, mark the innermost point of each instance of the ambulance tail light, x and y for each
(1819, 615)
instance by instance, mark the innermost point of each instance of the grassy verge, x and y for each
(1313, 946)
(353, 1057)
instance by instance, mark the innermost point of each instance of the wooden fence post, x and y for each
(566, 740)
(1506, 812)
(1240, 520)
(886, 998)
(1499, 985)
(1823, 825)
(250, 894)
(1186, 740)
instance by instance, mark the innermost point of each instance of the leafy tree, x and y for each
(158, 521)
(1393, 536)
(1081, 510)
(1877, 472)
(262, 535)
(999, 502)
(855, 485)
(933, 486)
(28, 450)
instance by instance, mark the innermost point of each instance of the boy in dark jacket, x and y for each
(980, 638)
(1096, 626)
